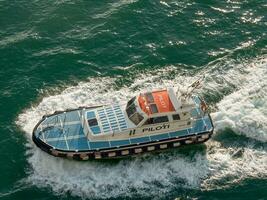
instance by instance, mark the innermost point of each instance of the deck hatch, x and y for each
(92, 122)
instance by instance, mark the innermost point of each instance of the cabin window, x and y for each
(136, 118)
(176, 117)
(156, 120)
(161, 119)
(131, 110)
(131, 101)
(149, 97)
(132, 113)
(153, 108)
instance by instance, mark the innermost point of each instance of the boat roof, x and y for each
(160, 101)
(107, 119)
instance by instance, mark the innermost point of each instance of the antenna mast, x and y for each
(193, 86)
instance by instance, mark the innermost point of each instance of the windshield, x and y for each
(131, 101)
(136, 118)
(132, 113)
(131, 110)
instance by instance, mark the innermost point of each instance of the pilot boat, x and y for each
(150, 121)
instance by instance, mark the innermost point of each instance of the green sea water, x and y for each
(63, 54)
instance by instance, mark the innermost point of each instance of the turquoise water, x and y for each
(64, 54)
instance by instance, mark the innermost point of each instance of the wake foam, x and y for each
(230, 165)
(146, 176)
(155, 175)
(245, 110)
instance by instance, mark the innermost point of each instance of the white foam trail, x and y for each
(231, 165)
(154, 175)
(147, 177)
(245, 110)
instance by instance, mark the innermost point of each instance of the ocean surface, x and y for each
(59, 54)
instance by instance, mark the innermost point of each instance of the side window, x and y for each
(156, 120)
(153, 108)
(149, 121)
(161, 119)
(176, 117)
(149, 97)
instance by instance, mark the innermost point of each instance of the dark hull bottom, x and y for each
(124, 151)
